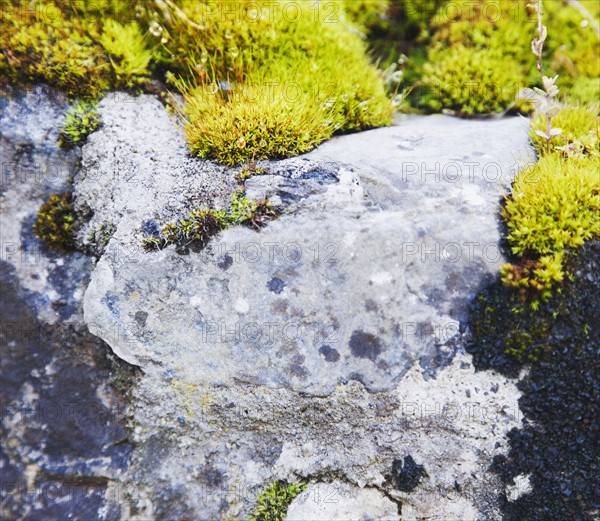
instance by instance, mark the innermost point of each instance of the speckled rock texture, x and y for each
(328, 343)
(64, 447)
(327, 347)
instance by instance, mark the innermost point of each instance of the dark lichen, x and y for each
(406, 476)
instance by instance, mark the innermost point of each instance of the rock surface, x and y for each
(64, 445)
(341, 502)
(357, 282)
(327, 347)
(326, 344)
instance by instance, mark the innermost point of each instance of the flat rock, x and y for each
(356, 281)
(327, 344)
(341, 502)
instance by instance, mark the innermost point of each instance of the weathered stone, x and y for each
(326, 344)
(64, 446)
(358, 292)
(341, 502)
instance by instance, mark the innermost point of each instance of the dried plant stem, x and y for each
(549, 107)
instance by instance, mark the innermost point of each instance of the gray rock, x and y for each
(64, 446)
(358, 281)
(341, 502)
(328, 344)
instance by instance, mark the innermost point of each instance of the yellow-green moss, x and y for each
(268, 87)
(272, 503)
(54, 43)
(126, 47)
(470, 81)
(81, 120)
(580, 131)
(497, 34)
(553, 209)
(55, 221)
(555, 204)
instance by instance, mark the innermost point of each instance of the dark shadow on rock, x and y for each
(62, 414)
(558, 444)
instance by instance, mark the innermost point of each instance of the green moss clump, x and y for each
(261, 85)
(201, 225)
(81, 120)
(490, 41)
(273, 501)
(470, 81)
(555, 205)
(126, 46)
(55, 223)
(554, 208)
(580, 131)
(44, 41)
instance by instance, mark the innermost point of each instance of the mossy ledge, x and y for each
(258, 80)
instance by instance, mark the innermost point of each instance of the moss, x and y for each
(42, 41)
(559, 392)
(470, 81)
(497, 34)
(201, 225)
(81, 120)
(272, 503)
(580, 131)
(554, 209)
(126, 47)
(266, 87)
(98, 239)
(555, 205)
(55, 223)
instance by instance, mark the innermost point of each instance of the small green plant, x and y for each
(201, 225)
(548, 106)
(55, 221)
(496, 34)
(81, 120)
(248, 170)
(580, 134)
(100, 238)
(267, 88)
(249, 213)
(126, 47)
(272, 503)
